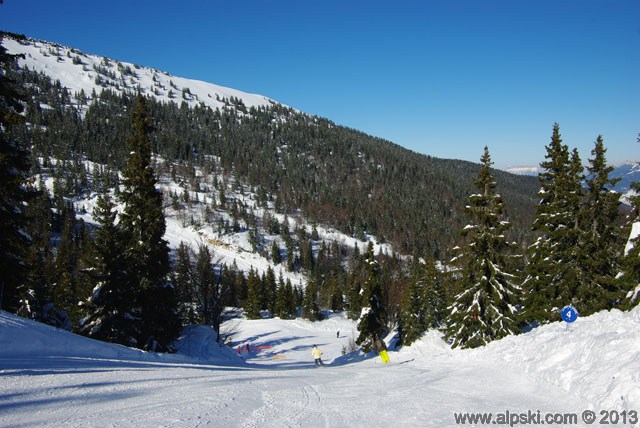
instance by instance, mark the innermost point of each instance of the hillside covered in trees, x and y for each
(250, 169)
(332, 174)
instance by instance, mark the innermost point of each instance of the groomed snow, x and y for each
(50, 377)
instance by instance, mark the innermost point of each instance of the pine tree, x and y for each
(310, 308)
(603, 244)
(109, 311)
(412, 316)
(424, 306)
(66, 287)
(143, 224)
(275, 253)
(35, 296)
(282, 300)
(182, 279)
(485, 309)
(203, 285)
(270, 287)
(252, 303)
(553, 272)
(14, 169)
(373, 320)
(435, 302)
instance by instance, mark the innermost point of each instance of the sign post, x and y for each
(569, 314)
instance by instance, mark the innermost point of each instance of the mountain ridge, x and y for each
(358, 183)
(78, 71)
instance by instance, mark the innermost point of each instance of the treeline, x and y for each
(580, 259)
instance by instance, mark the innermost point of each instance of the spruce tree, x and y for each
(372, 324)
(67, 291)
(310, 308)
(252, 303)
(36, 294)
(203, 285)
(412, 316)
(424, 306)
(486, 308)
(143, 226)
(182, 279)
(603, 243)
(553, 272)
(110, 310)
(14, 170)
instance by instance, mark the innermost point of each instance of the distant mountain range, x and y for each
(627, 172)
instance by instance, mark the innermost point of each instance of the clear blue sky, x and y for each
(444, 78)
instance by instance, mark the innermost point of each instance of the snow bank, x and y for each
(24, 338)
(596, 358)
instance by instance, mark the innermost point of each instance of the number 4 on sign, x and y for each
(569, 314)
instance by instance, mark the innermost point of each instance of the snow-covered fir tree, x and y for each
(553, 271)
(603, 243)
(252, 302)
(372, 323)
(310, 307)
(486, 308)
(110, 309)
(147, 253)
(424, 305)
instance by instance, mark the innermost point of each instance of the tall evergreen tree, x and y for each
(373, 320)
(603, 243)
(424, 306)
(110, 310)
(310, 307)
(252, 303)
(486, 308)
(36, 295)
(67, 291)
(412, 316)
(182, 279)
(553, 272)
(14, 169)
(143, 225)
(203, 284)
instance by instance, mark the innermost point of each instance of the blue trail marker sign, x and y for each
(569, 314)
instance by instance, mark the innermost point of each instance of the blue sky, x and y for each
(443, 78)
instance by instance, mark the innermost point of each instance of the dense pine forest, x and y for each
(477, 252)
(333, 175)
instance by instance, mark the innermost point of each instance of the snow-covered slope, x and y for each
(51, 377)
(628, 173)
(78, 72)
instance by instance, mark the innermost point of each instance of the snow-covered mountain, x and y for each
(523, 170)
(80, 72)
(88, 74)
(628, 172)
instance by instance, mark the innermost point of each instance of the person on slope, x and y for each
(316, 354)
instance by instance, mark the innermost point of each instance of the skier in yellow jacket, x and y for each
(315, 353)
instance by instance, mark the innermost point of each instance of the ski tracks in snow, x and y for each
(291, 407)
